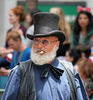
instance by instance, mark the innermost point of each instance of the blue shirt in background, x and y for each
(20, 56)
(47, 89)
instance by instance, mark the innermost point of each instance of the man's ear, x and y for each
(57, 45)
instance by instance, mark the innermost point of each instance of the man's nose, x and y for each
(40, 45)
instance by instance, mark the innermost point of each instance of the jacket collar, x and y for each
(57, 64)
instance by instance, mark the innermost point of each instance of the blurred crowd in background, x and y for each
(77, 48)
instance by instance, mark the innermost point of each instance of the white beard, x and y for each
(39, 59)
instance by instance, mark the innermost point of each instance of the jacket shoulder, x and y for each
(68, 65)
(24, 66)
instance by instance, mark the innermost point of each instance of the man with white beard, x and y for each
(43, 77)
(41, 56)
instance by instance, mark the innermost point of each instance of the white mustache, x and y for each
(45, 58)
(41, 51)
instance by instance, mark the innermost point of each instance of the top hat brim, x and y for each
(59, 34)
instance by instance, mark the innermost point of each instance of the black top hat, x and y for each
(45, 25)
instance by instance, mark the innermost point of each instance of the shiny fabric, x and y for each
(55, 71)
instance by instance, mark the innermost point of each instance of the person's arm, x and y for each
(5, 51)
(4, 72)
(81, 92)
(12, 86)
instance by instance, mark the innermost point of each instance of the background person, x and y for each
(16, 17)
(64, 27)
(21, 52)
(30, 21)
(85, 50)
(89, 88)
(72, 55)
(83, 28)
(85, 68)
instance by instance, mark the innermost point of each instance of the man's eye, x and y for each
(45, 42)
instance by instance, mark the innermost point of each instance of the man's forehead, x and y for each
(49, 38)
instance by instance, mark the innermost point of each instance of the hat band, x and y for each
(43, 30)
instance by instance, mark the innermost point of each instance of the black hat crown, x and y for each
(45, 23)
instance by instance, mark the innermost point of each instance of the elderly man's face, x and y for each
(45, 44)
(44, 50)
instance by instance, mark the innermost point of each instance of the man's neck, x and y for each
(51, 61)
(22, 48)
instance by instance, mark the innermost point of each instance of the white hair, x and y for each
(39, 59)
